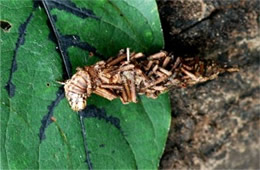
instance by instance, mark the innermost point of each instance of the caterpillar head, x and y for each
(77, 89)
(77, 101)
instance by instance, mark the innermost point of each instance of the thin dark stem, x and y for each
(84, 134)
(57, 35)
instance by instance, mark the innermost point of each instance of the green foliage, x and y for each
(121, 136)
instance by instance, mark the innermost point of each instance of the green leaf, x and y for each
(118, 136)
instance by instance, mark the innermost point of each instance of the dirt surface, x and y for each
(215, 125)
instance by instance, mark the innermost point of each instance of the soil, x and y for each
(215, 125)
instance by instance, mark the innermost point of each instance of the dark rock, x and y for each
(215, 125)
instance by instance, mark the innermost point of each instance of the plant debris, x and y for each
(130, 74)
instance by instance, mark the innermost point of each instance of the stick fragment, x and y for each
(137, 74)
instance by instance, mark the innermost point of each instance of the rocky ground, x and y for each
(216, 124)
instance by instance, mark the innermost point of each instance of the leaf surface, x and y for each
(117, 136)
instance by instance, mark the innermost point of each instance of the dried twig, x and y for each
(130, 74)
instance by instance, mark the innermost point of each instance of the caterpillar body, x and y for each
(128, 75)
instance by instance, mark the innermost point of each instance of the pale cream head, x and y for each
(77, 89)
(77, 101)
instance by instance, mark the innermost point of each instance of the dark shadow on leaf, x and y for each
(10, 87)
(92, 111)
(46, 120)
(71, 7)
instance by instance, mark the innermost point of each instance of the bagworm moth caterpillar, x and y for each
(127, 75)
